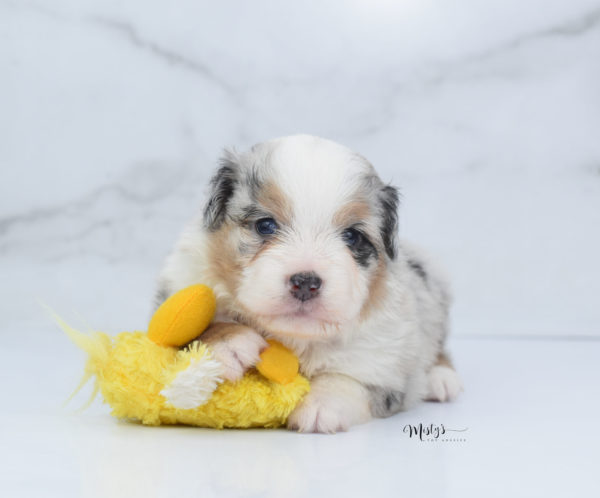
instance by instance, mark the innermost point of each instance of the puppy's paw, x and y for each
(334, 403)
(237, 350)
(444, 384)
(316, 415)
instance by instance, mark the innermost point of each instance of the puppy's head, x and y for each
(300, 233)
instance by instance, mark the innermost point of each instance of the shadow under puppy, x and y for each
(299, 241)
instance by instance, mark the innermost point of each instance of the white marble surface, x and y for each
(530, 409)
(487, 114)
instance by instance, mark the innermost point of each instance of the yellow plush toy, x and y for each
(146, 377)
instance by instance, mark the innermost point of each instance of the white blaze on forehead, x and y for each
(316, 175)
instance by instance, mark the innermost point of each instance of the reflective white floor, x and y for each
(530, 409)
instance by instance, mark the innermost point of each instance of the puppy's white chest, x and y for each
(365, 364)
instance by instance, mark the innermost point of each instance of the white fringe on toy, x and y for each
(194, 386)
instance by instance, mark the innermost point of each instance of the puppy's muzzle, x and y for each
(305, 285)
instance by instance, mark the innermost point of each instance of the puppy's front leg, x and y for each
(235, 346)
(334, 403)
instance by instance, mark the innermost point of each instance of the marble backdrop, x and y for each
(486, 114)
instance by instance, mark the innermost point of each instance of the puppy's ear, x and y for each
(222, 187)
(389, 200)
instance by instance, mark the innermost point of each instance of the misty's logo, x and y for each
(434, 432)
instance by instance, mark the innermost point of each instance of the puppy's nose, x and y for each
(305, 285)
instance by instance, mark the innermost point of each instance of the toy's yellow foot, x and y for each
(183, 317)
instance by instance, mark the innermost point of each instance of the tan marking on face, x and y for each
(272, 198)
(351, 213)
(267, 244)
(224, 262)
(377, 291)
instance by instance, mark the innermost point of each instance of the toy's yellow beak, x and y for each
(278, 363)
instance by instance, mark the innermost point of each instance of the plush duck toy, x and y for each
(148, 377)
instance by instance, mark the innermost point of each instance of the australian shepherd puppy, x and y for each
(299, 240)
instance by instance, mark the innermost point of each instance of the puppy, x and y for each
(299, 241)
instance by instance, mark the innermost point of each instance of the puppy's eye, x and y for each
(351, 236)
(266, 226)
